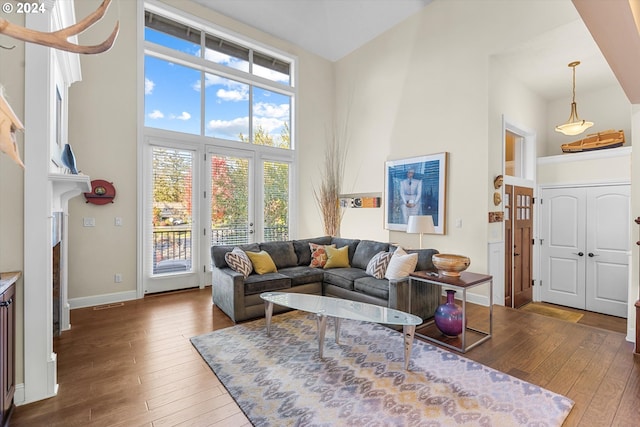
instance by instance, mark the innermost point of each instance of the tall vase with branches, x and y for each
(327, 195)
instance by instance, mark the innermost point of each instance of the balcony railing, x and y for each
(171, 249)
(172, 244)
(229, 236)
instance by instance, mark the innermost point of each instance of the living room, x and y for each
(408, 102)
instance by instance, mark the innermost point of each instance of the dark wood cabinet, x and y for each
(7, 347)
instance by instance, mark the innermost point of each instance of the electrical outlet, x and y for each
(89, 222)
(117, 278)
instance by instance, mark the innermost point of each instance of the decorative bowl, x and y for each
(450, 264)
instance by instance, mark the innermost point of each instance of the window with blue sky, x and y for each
(203, 84)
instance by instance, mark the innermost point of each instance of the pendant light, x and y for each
(574, 125)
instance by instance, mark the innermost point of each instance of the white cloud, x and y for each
(184, 116)
(270, 74)
(229, 61)
(156, 114)
(264, 109)
(269, 124)
(232, 95)
(148, 86)
(229, 128)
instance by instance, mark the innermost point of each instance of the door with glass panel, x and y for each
(249, 197)
(230, 194)
(171, 255)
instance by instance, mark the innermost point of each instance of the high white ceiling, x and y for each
(334, 28)
(328, 28)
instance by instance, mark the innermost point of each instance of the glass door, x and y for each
(249, 197)
(171, 249)
(231, 201)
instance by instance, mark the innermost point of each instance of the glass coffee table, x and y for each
(340, 309)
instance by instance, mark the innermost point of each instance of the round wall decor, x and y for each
(102, 192)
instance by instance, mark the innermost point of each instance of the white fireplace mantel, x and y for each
(65, 187)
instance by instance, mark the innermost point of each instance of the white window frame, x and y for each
(200, 142)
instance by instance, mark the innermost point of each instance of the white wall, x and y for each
(602, 166)
(103, 133)
(607, 108)
(426, 86)
(12, 180)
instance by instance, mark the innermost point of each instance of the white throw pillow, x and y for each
(401, 265)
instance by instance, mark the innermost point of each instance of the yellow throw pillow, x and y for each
(337, 258)
(262, 262)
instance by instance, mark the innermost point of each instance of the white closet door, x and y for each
(563, 245)
(608, 235)
(585, 250)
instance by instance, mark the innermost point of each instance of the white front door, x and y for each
(585, 247)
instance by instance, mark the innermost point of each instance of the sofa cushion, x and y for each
(401, 265)
(282, 253)
(303, 251)
(255, 283)
(424, 259)
(337, 257)
(262, 262)
(301, 275)
(378, 288)
(351, 243)
(218, 252)
(377, 266)
(365, 250)
(318, 255)
(343, 277)
(238, 260)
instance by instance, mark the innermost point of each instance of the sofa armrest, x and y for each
(227, 289)
(399, 294)
(417, 298)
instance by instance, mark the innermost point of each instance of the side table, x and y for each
(470, 336)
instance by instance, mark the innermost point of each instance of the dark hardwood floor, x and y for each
(132, 364)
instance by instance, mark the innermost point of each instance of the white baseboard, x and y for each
(102, 299)
(18, 395)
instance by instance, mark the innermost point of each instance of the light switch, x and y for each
(89, 222)
(118, 221)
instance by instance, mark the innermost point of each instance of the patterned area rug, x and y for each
(280, 381)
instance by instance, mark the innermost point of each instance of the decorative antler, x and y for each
(9, 124)
(58, 39)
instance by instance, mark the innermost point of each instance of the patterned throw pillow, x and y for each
(377, 267)
(318, 255)
(238, 260)
(401, 264)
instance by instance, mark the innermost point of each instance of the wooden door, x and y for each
(508, 246)
(522, 227)
(7, 353)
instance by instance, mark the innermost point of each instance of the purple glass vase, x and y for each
(448, 316)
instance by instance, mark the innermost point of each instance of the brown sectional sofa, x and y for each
(240, 298)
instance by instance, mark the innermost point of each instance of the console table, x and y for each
(470, 336)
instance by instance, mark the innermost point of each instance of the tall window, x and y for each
(209, 94)
(213, 86)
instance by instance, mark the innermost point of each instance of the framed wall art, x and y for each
(415, 186)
